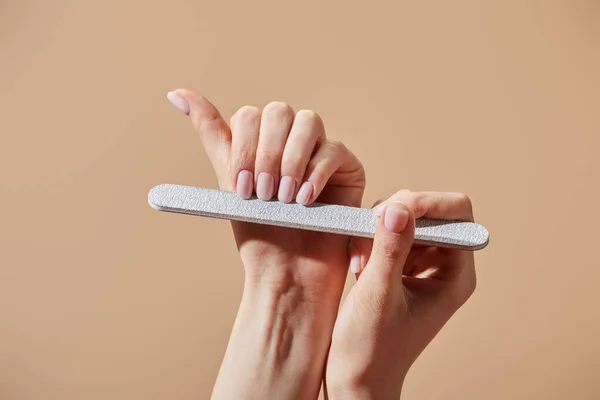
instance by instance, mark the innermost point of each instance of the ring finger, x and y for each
(307, 133)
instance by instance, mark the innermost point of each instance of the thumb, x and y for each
(392, 243)
(214, 132)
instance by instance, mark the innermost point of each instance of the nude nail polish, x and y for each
(355, 264)
(178, 102)
(245, 184)
(395, 218)
(305, 193)
(265, 186)
(378, 209)
(287, 186)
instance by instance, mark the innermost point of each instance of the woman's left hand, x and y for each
(294, 278)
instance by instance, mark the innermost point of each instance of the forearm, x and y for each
(278, 345)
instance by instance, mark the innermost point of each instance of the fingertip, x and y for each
(378, 208)
(305, 194)
(397, 217)
(245, 184)
(183, 93)
(287, 188)
(195, 102)
(355, 258)
(178, 101)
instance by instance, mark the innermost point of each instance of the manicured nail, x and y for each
(395, 218)
(245, 183)
(379, 209)
(306, 190)
(287, 186)
(178, 102)
(355, 263)
(265, 185)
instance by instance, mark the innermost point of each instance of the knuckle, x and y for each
(244, 156)
(213, 125)
(248, 115)
(464, 291)
(243, 159)
(388, 251)
(319, 172)
(403, 192)
(464, 206)
(465, 201)
(471, 286)
(418, 197)
(338, 146)
(278, 109)
(411, 199)
(461, 297)
(267, 159)
(308, 116)
(293, 165)
(330, 149)
(267, 156)
(248, 112)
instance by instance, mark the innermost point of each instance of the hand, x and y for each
(403, 297)
(294, 279)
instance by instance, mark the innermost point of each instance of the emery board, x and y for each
(330, 218)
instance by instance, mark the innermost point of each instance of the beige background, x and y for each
(102, 297)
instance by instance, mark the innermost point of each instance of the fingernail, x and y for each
(379, 209)
(286, 189)
(265, 185)
(355, 263)
(178, 102)
(245, 184)
(395, 218)
(304, 193)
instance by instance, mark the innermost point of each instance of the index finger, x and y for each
(450, 206)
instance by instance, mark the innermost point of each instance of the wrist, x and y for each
(316, 283)
(366, 377)
(363, 390)
(279, 343)
(287, 319)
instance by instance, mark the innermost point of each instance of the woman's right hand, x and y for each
(403, 297)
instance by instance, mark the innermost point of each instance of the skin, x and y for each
(294, 279)
(288, 338)
(403, 296)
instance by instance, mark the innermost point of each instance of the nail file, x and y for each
(331, 218)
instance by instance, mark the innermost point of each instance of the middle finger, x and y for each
(275, 126)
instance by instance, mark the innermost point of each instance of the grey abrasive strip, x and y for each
(352, 221)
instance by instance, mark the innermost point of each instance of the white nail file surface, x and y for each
(331, 218)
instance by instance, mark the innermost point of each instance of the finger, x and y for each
(210, 126)
(331, 159)
(306, 134)
(392, 243)
(361, 248)
(440, 205)
(437, 205)
(446, 279)
(275, 127)
(445, 206)
(418, 263)
(355, 258)
(425, 262)
(245, 125)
